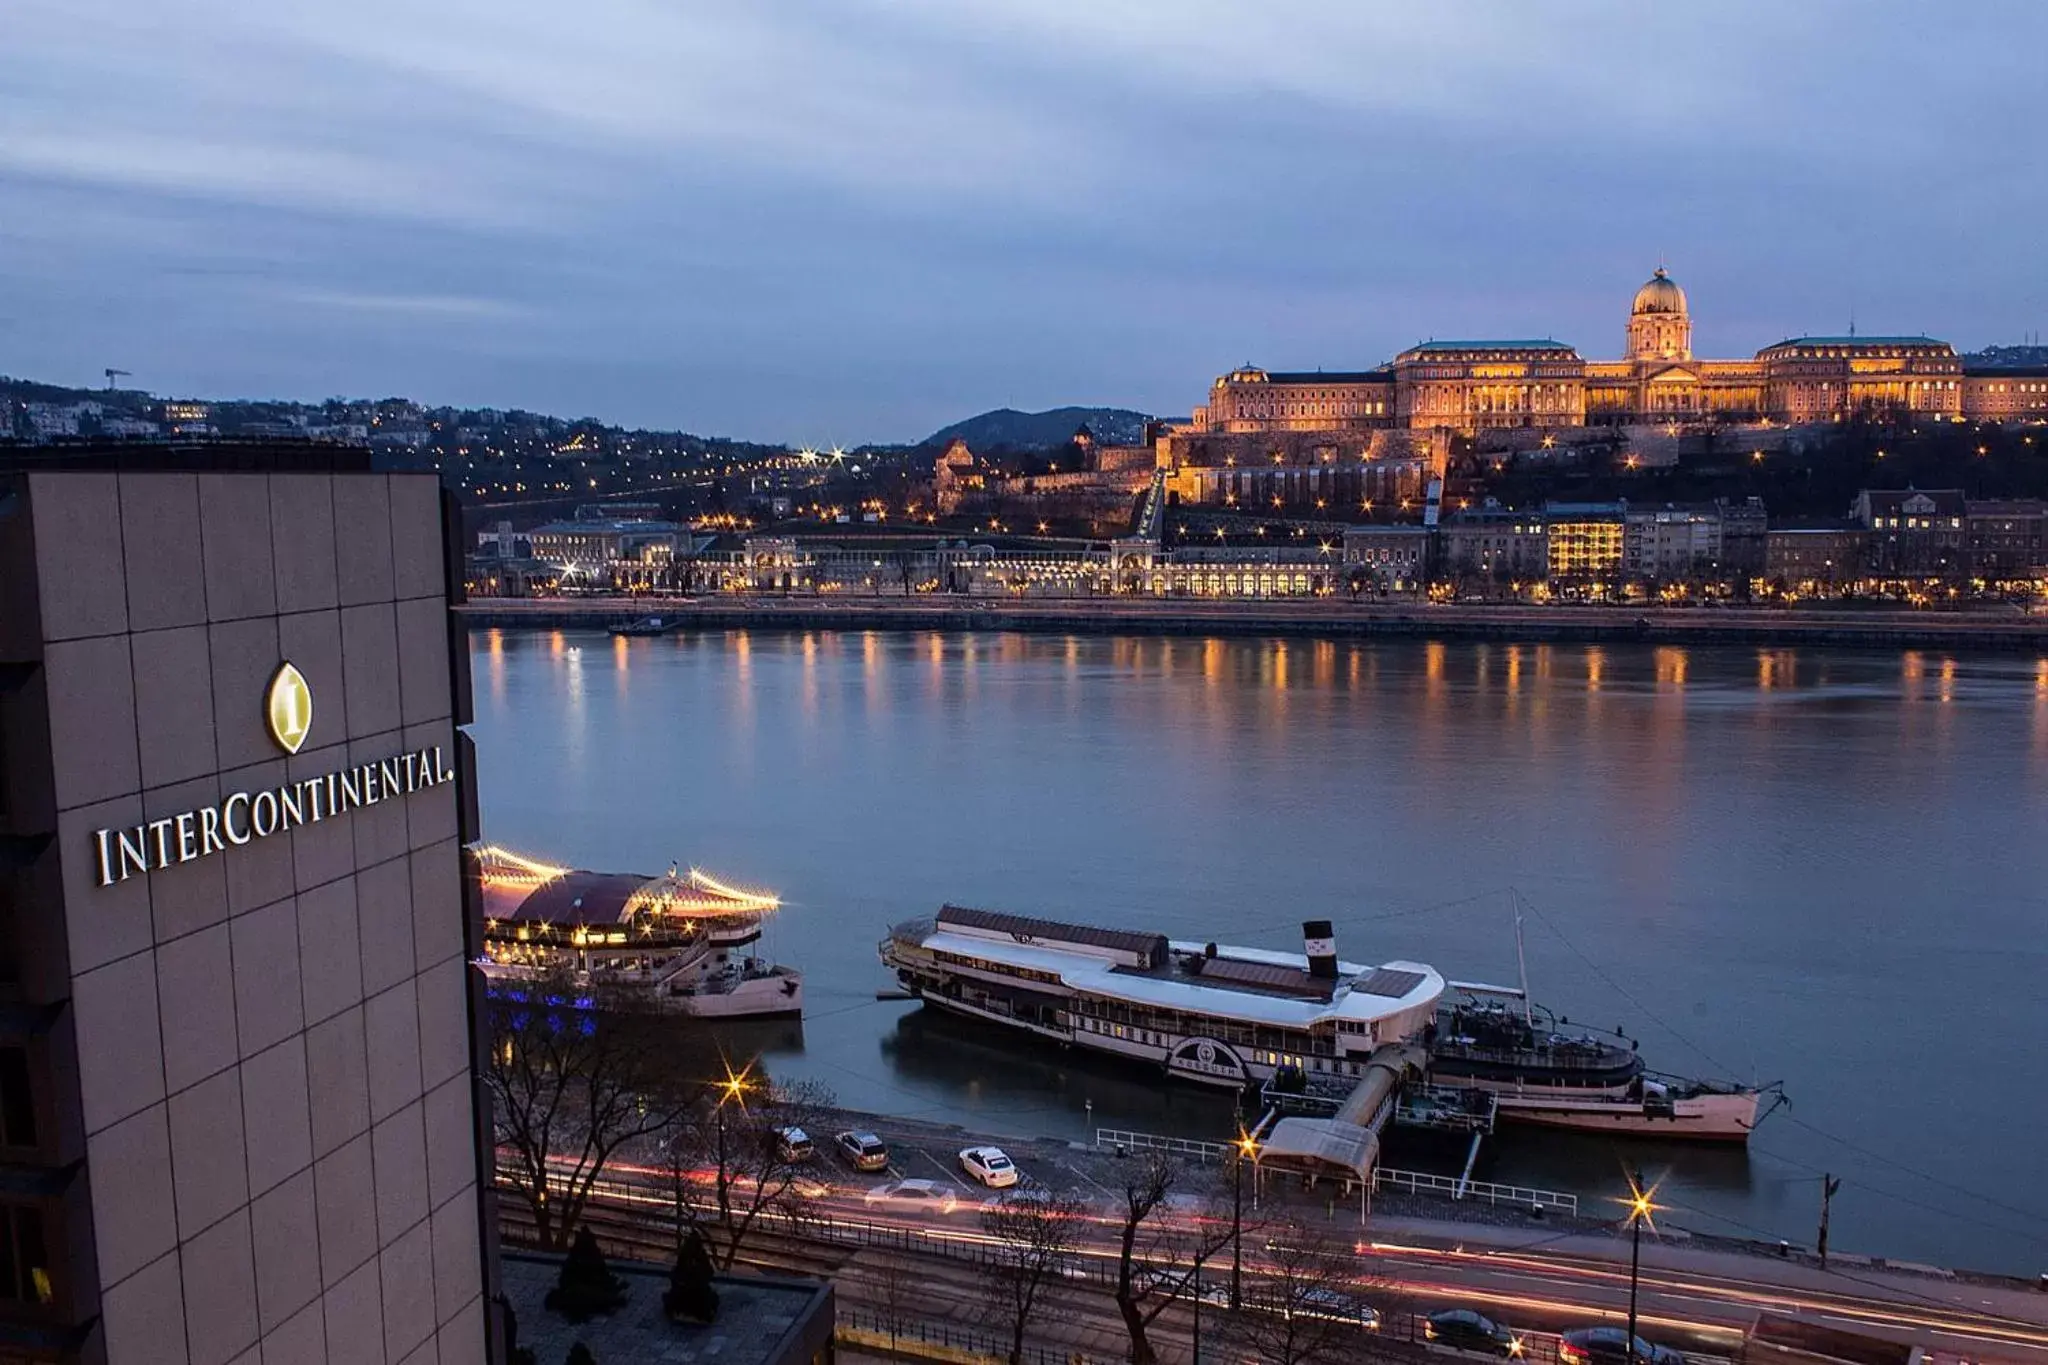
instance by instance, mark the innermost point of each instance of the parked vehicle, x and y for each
(1609, 1346)
(1464, 1330)
(792, 1144)
(927, 1196)
(862, 1150)
(989, 1165)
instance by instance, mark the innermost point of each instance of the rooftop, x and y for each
(617, 526)
(1545, 344)
(1381, 375)
(762, 1320)
(1225, 992)
(1859, 341)
(183, 454)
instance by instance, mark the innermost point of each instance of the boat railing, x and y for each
(1570, 1059)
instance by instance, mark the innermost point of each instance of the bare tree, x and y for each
(734, 1133)
(900, 1287)
(575, 1074)
(1170, 1225)
(1035, 1237)
(1309, 1304)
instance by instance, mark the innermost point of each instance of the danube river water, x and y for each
(1825, 867)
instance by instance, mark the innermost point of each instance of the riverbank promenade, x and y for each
(2008, 629)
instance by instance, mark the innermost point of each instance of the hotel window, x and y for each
(24, 1256)
(17, 1099)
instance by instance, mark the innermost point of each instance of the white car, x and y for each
(990, 1165)
(917, 1195)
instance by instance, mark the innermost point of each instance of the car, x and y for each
(1609, 1346)
(990, 1165)
(792, 1144)
(1464, 1330)
(862, 1150)
(1180, 1282)
(1332, 1305)
(915, 1195)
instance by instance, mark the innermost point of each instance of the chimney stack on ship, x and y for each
(1319, 941)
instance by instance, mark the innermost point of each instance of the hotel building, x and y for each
(237, 1114)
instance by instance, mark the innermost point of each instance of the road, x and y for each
(1536, 1279)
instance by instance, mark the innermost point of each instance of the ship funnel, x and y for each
(1319, 941)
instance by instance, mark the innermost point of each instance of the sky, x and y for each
(807, 222)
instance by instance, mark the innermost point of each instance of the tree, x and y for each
(585, 1286)
(575, 1074)
(899, 1289)
(733, 1130)
(1309, 1305)
(1169, 1227)
(1035, 1236)
(690, 1296)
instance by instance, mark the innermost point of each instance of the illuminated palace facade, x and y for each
(1472, 386)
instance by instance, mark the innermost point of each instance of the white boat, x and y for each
(1698, 1110)
(1233, 1017)
(678, 942)
(1198, 1011)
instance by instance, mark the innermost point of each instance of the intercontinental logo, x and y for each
(244, 816)
(288, 707)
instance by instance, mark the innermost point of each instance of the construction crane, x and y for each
(112, 375)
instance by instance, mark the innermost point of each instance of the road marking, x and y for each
(1085, 1176)
(945, 1170)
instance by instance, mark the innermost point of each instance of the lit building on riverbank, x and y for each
(1467, 387)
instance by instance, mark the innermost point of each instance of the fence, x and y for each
(1154, 1142)
(1384, 1178)
(958, 1343)
(1422, 1182)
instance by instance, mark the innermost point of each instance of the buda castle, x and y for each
(1466, 387)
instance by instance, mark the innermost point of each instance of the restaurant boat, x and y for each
(682, 941)
(1199, 1011)
(1236, 1017)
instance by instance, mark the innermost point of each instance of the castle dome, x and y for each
(1660, 294)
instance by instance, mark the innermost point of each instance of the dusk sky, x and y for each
(859, 221)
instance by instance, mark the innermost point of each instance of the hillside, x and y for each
(1043, 430)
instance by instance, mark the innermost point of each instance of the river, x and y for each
(1820, 866)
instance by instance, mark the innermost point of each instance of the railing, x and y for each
(1410, 1182)
(1126, 1140)
(1422, 1182)
(895, 1329)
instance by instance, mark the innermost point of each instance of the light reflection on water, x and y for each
(1816, 865)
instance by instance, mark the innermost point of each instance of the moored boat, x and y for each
(646, 625)
(1199, 1011)
(1545, 1071)
(679, 942)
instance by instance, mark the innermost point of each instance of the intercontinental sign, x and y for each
(245, 816)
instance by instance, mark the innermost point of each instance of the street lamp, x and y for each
(1640, 1208)
(733, 1088)
(1246, 1146)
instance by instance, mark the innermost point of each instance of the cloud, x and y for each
(867, 217)
(400, 305)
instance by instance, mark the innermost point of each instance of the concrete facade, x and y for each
(251, 1066)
